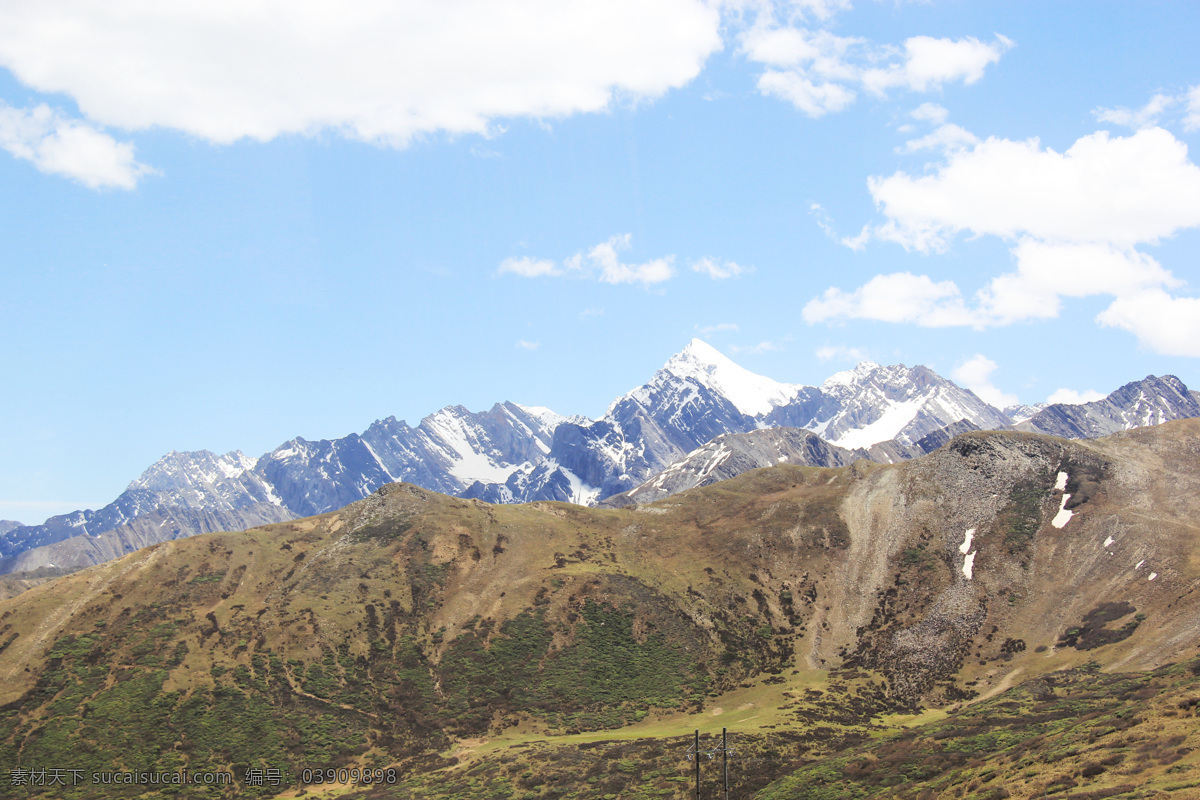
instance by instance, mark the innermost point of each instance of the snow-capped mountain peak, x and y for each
(862, 370)
(177, 470)
(750, 393)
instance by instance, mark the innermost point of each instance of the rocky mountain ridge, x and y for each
(513, 453)
(808, 604)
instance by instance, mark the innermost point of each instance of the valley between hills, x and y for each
(1012, 615)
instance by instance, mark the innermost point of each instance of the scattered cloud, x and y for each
(379, 72)
(1155, 109)
(821, 9)
(1072, 397)
(947, 138)
(479, 151)
(976, 374)
(1144, 117)
(1191, 121)
(898, 297)
(721, 327)
(528, 267)
(604, 259)
(755, 349)
(602, 263)
(59, 145)
(588, 313)
(930, 112)
(824, 221)
(820, 72)
(524, 345)
(1074, 220)
(718, 270)
(841, 353)
(930, 63)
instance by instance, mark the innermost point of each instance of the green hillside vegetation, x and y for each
(554, 651)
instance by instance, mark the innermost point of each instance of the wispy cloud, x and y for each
(841, 353)
(605, 263)
(528, 267)
(720, 327)
(820, 72)
(755, 349)
(59, 145)
(524, 345)
(1143, 117)
(718, 270)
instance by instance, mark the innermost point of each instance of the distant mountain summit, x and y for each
(1150, 401)
(513, 453)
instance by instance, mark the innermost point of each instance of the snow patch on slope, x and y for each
(888, 426)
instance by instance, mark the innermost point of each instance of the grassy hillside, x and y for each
(549, 650)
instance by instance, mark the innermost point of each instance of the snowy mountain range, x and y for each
(513, 453)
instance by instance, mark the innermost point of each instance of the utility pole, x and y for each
(694, 752)
(725, 760)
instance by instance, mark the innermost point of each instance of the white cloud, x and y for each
(588, 313)
(930, 112)
(814, 99)
(898, 297)
(1047, 272)
(821, 9)
(840, 353)
(604, 257)
(380, 72)
(755, 349)
(721, 327)
(1144, 117)
(930, 63)
(948, 137)
(59, 145)
(1075, 221)
(718, 270)
(1072, 397)
(524, 345)
(528, 267)
(601, 263)
(1120, 190)
(820, 72)
(1191, 122)
(976, 374)
(1166, 324)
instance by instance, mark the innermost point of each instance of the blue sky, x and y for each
(225, 228)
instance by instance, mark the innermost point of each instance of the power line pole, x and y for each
(694, 752)
(725, 760)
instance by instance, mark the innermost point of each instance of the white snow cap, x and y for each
(849, 377)
(751, 394)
